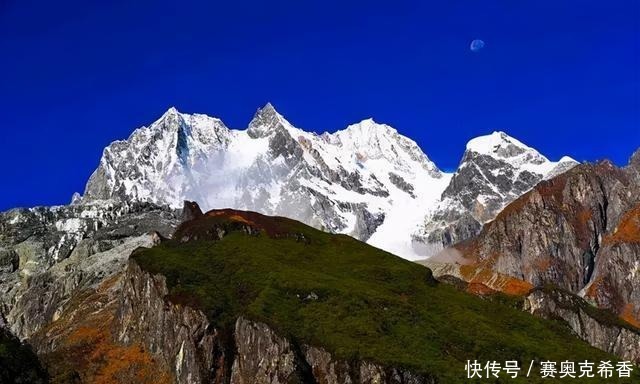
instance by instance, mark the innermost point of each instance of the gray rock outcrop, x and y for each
(249, 353)
(495, 170)
(580, 232)
(598, 328)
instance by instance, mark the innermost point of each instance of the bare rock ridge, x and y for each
(367, 180)
(495, 170)
(599, 328)
(580, 232)
(60, 279)
(576, 231)
(191, 211)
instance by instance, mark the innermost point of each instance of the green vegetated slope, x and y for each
(355, 300)
(18, 363)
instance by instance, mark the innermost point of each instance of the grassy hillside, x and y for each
(353, 299)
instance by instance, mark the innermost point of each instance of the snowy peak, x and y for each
(366, 180)
(563, 165)
(171, 111)
(514, 153)
(367, 137)
(170, 121)
(363, 180)
(501, 145)
(495, 170)
(265, 121)
(370, 140)
(153, 162)
(369, 127)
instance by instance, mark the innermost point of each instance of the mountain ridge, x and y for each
(367, 180)
(578, 232)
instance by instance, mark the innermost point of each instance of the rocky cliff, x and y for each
(599, 328)
(495, 170)
(61, 276)
(249, 353)
(49, 254)
(578, 231)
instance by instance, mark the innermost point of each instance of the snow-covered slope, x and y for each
(366, 180)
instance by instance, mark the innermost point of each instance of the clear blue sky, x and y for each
(562, 76)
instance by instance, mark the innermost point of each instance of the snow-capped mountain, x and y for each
(495, 170)
(367, 180)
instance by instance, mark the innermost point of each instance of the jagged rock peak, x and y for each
(634, 161)
(500, 144)
(171, 111)
(191, 210)
(268, 108)
(171, 118)
(502, 147)
(265, 121)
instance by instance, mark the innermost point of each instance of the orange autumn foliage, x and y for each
(628, 230)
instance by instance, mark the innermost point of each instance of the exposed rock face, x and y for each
(600, 331)
(401, 183)
(265, 357)
(190, 211)
(495, 170)
(579, 231)
(616, 276)
(327, 370)
(60, 276)
(43, 298)
(79, 345)
(563, 232)
(180, 336)
(50, 253)
(250, 353)
(477, 280)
